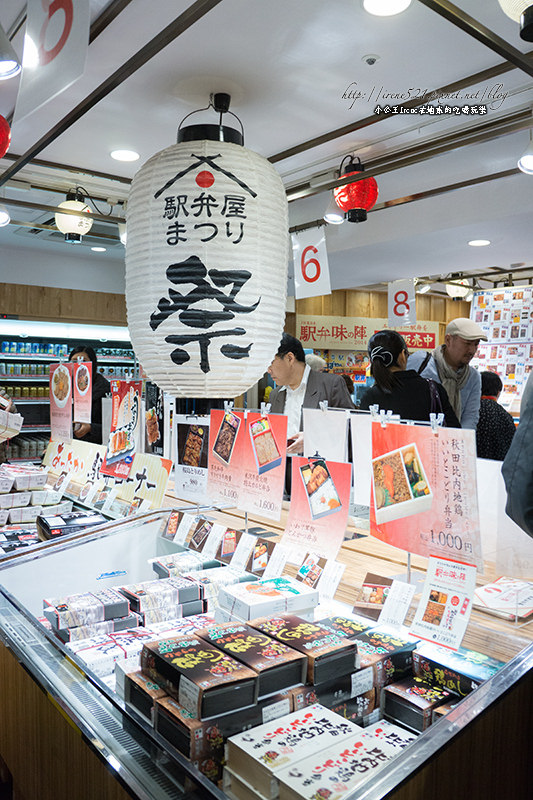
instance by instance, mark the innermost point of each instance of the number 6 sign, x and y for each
(311, 270)
(57, 35)
(402, 308)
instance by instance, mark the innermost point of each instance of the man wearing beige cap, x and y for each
(449, 364)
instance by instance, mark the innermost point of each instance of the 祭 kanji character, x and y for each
(233, 206)
(207, 225)
(175, 233)
(193, 271)
(204, 202)
(229, 232)
(171, 209)
(180, 356)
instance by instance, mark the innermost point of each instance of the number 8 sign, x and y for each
(402, 307)
(311, 270)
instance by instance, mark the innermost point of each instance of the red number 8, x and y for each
(45, 56)
(305, 264)
(401, 300)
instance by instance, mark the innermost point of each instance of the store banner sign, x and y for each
(446, 602)
(326, 432)
(147, 482)
(61, 376)
(263, 465)
(55, 51)
(125, 433)
(191, 445)
(424, 491)
(353, 333)
(311, 268)
(318, 514)
(402, 302)
(82, 385)
(82, 459)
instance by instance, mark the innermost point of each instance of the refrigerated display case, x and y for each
(486, 732)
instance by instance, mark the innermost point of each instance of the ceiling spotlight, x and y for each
(125, 155)
(5, 218)
(521, 11)
(98, 249)
(479, 242)
(459, 289)
(333, 213)
(72, 226)
(525, 162)
(423, 288)
(385, 8)
(9, 61)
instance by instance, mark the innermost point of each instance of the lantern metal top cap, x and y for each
(220, 103)
(352, 165)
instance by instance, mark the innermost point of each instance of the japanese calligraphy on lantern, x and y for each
(353, 333)
(206, 264)
(446, 602)
(320, 499)
(424, 491)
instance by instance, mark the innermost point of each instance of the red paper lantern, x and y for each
(5, 136)
(356, 198)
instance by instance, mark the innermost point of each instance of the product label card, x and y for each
(329, 580)
(276, 563)
(446, 602)
(263, 454)
(188, 695)
(397, 603)
(191, 446)
(82, 382)
(61, 376)
(126, 426)
(242, 552)
(362, 681)
(225, 456)
(185, 525)
(213, 540)
(276, 710)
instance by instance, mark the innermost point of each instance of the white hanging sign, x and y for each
(311, 269)
(55, 49)
(402, 304)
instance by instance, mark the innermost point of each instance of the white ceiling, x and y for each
(286, 64)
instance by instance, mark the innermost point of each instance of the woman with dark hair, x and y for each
(91, 432)
(400, 390)
(496, 428)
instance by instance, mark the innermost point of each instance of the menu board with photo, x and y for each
(506, 317)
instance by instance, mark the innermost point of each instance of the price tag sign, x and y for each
(55, 49)
(311, 269)
(262, 460)
(402, 305)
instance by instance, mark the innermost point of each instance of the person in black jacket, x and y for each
(91, 432)
(400, 390)
(496, 428)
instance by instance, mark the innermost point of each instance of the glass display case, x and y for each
(136, 756)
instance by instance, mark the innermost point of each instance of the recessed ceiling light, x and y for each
(125, 155)
(385, 8)
(479, 242)
(98, 249)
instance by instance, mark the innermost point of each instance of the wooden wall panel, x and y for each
(62, 305)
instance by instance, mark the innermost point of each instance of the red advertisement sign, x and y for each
(263, 465)
(61, 376)
(320, 499)
(125, 428)
(82, 385)
(424, 491)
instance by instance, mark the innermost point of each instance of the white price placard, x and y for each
(362, 681)
(402, 304)
(210, 548)
(276, 563)
(242, 552)
(186, 523)
(330, 579)
(397, 604)
(188, 695)
(276, 710)
(311, 269)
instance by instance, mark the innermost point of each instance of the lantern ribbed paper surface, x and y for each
(206, 268)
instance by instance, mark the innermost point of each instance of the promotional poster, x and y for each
(125, 428)
(61, 401)
(83, 384)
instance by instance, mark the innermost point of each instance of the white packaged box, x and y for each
(267, 598)
(15, 499)
(25, 514)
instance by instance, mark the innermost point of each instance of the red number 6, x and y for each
(45, 56)
(305, 264)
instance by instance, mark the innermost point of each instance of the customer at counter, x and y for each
(449, 364)
(91, 432)
(517, 468)
(297, 387)
(400, 390)
(495, 429)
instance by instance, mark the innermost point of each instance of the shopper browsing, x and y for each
(297, 387)
(91, 432)
(496, 428)
(400, 390)
(449, 364)
(517, 468)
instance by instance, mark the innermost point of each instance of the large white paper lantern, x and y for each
(206, 267)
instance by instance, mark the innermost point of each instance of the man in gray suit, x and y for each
(299, 387)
